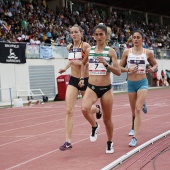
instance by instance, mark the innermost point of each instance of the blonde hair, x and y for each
(109, 31)
(44, 37)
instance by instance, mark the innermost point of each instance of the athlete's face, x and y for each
(137, 39)
(75, 33)
(100, 36)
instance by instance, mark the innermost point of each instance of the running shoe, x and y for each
(66, 146)
(145, 110)
(93, 135)
(133, 142)
(109, 147)
(131, 133)
(99, 113)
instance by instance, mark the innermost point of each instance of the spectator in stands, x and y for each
(37, 14)
(136, 59)
(99, 84)
(34, 40)
(48, 40)
(76, 53)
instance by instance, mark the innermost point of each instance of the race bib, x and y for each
(75, 54)
(96, 68)
(140, 64)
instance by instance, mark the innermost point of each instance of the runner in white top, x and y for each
(76, 53)
(136, 60)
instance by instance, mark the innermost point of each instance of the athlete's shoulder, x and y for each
(109, 48)
(149, 51)
(126, 51)
(85, 45)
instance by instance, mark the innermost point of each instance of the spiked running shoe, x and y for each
(145, 110)
(109, 147)
(93, 135)
(131, 133)
(99, 113)
(66, 146)
(133, 142)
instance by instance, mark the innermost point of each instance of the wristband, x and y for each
(81, 78)
(106, 65)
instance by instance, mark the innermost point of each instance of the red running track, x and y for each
(30, 136)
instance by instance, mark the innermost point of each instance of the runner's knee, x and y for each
(69, 111)
(107, 122)
(138, 110)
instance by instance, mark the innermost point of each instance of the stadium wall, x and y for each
(16, 76)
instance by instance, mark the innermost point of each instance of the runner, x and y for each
(136, 59)
(76, 52)
(99, 84)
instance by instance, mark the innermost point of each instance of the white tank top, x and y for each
(76, 53)
(139, 60)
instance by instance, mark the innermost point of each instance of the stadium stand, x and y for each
(33, 21)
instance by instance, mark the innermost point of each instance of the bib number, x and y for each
(96, 68)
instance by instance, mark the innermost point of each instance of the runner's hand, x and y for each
(150, 70)
(81, 83)
(61, 71)
(102, 60)
(133, 69)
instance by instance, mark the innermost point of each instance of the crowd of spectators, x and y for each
(34, 22)
(161, 80)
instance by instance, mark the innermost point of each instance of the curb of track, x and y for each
(132, 152)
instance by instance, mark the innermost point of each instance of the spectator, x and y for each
(167, 72)
(155, 79)
(163, 76)
(161, 82)
(165, 81)
(35, 15)
(48, 41)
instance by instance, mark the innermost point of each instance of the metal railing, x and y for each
(33, 51)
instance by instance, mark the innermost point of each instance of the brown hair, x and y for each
(138, 31)
(102, 27)
(80, 29)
